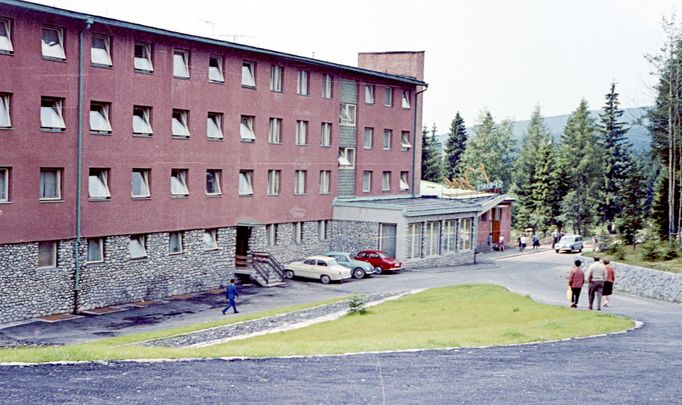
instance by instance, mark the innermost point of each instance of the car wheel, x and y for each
(580, 250)
(556, 250)
(378, 270)
(289, 274)
(358, 273)
(325, 279)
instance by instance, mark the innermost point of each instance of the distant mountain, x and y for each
(638, 134)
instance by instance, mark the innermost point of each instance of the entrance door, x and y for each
(387, 233)
(496, 231)
(241, 250)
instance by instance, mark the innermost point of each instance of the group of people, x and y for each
(523, 242)
(600, 278)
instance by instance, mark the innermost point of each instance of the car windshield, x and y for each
(383, 255)
(342, 258)
(332, 262)
(568, 239)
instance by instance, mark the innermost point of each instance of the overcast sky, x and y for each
(501, 55)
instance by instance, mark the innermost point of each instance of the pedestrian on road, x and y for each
(231, 293)
(490, 242)
(536, 242)
(595, 243)
(522, 242)
(596, 274)
(576, 279)
(608, 281)
(501, 243)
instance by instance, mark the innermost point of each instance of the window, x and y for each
(213, 182)
(327, 86)
(325, 181)
(53, 43)
(386, 181)
(388, 134)
(300, 180)
(484, 217)
(246, 129)
(271, 234)
(298, 232)
(432, 239)
(405, 140)
(414, 240)
(326, 134)
(366, 181)
(449, 235)
(179, 183)
(275, 130)
(347, 114)
(388, 97)
(51, 114)
(276, 78)
(274, 180)
(98, 184)
(139, 187)
(47, 254)
(245, 185)
(143, 57)
(6, 36)
(302, 83)
(142, 121)
(4, 184)
(369, 94)
(50, 184)
(181, 64)
(99, 118)
(215, 69)
(465, 230)
(214, 126)
(301, 132)
(368, 140)
(404, 184)
(180, 124)
(5, 119)
(95, 250)
(346, 158)
(137, 246)
(322, 227)
(406, 99)
(210, 239)
(248, 74)
(175, 242)
(100, 52)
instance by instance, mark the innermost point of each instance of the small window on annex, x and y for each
(248, 74)
(100, 123)
(414, 240)
(52, 114)
(465, 231)
(6, 36)
(180, 124)
(215, 69)
(450, 235)
(179, 183)
(143, 57)
(246, 132)
(53, 43)
(98, 184)
(100, 52)
(181, 64)
(95, 250)
(432, 238)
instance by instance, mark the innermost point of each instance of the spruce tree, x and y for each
(432, 164)
(455, 146)
(633, 198)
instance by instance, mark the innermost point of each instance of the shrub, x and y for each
(650, 251)
(671, 253)
(618, 251)
(357, 304)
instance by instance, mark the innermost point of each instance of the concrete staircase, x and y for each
(263, 268)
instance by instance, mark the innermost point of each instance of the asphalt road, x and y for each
(642, 366)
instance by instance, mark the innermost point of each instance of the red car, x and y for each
(380, 260)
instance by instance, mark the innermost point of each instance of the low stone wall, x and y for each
(645, 282)
(446, 260)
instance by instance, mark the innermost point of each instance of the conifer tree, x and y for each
(432, 163)
(633, 198)
(455, 146)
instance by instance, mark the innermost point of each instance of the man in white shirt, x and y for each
(596, 274)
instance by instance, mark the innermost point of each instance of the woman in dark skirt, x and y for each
(608, 282)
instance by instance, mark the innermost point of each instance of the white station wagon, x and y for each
(322, 268)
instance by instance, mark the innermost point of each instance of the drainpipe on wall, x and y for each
(79, 164)
(414, 140)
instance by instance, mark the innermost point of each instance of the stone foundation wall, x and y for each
(286, 249)
(446, 260)
(353, 236)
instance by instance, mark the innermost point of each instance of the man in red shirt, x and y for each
(576, 279)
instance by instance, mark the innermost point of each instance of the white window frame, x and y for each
(142, 121)
(100, 123)
(215, 73)
(298, 232)
(180, 123)
(327, 86)
(388, 139)
(5, 110)
(388, 97)
(300, 182)
(274, 182)
(404, 181)
(137, 246)
(143, 62)
(210, 239)
(301, 132)
(367, 181)
(432, 238)
(406, 97)
(52, 253)
(326, 134)
(98, 244)
(368, 138)
(4, 184)
(216, 175)
(275, 131)
(100, 56)
(386, 181)
(179, 183)
(405, 144)
(449, 235)
(414, 240)
(53, 48)
(245, 182)
(144, 175)
(98, 184)
(248, 74)
(58, 184)
(464, 232)
(52, 114)
(271, 234)
(276, 74)
(325, 181)
(181, 64)
(322, 230)
(6, 39)
(346, 158)
(347, 114)
(369, 94)
(214, 126)
(246, 132)
(303, 83)
(178, 236)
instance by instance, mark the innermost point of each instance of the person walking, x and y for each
(523, 241)
(501, 243)
(536, 242)
(490, 242)
(576, 279)
(596, 274)
(231, 293)
(608, 281)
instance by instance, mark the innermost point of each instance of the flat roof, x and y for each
(418, 206)
(210, 41)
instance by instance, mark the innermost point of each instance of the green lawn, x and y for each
(475, 315)
(634, 257)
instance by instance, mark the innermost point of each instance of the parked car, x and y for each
(322, 268)
(358, 268)
(569, 243)
(379, 260)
